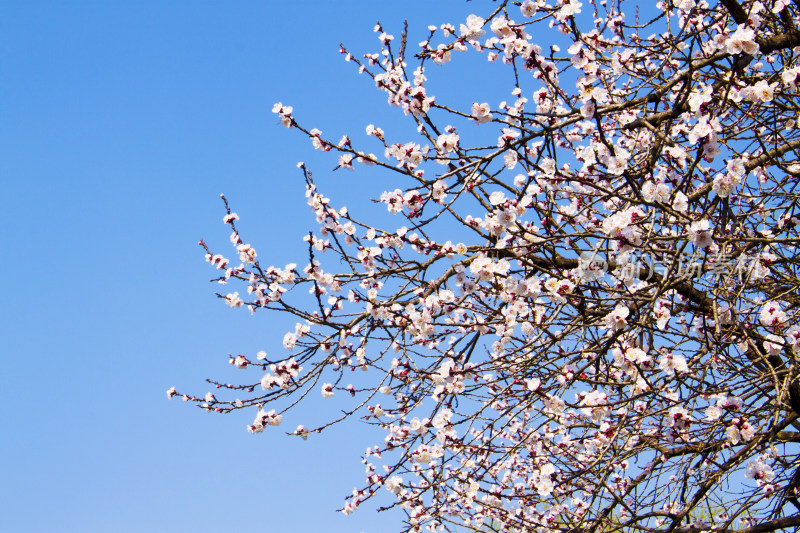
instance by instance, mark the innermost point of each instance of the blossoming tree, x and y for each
(589, 323)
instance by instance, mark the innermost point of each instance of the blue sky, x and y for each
(120, 125)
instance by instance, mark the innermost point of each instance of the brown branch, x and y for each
(737, 12)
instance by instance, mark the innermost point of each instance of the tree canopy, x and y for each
(580, 312)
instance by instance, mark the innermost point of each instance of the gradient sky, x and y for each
(120, 125)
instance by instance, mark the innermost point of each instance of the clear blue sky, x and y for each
(120, 124)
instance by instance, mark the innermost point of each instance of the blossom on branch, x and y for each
(579, 309)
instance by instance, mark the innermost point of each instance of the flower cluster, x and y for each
(489, 322)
